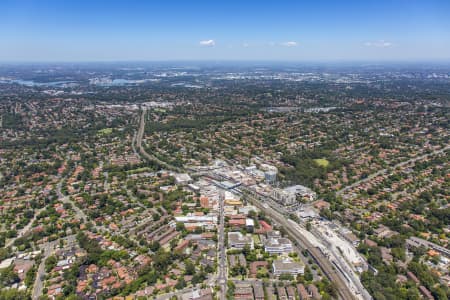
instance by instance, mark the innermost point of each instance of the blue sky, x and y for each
(379, 30)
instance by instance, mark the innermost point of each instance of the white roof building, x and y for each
(278, 245)
(289, 195)
(6, 263)
(182, 178)
(207, 221)
(237, 240)
(287, 266)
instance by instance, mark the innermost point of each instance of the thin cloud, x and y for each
(208, 43)
(289, 44)
(378, 44)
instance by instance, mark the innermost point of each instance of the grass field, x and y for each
(139, 170)
(322, 162)
(105, 131)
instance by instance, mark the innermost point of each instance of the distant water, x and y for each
(120, 82)
(34, 83)
(285, 109)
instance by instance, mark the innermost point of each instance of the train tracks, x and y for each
(326, 266)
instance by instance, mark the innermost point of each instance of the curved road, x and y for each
(326, 266)
(26, 229)
(141, 149)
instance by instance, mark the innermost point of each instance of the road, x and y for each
(178, 293)
(133, 143)
(79, 214)
(26, 229)
(326, 266)
(39, 282)
(281, 217)
(222, 276)
(328, 250)
(48, 250)
(384, 171)
(144, 153)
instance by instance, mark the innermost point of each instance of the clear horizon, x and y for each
(283, 31)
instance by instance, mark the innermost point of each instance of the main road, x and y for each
(22, 232)
(222, 269)
(326, 266)
(138, 140)
(48, 250)
(222, 278)
(323, 262)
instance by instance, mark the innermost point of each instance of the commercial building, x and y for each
(249, 224)
(204, 294)
(193, 221)
(237, 240)
(278, 245)
(283, 196)
(287, 266)
(233, 202)
(289, 195)
(270, 176)
(182, 178)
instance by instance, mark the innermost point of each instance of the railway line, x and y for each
(331, 272)
(325, 265)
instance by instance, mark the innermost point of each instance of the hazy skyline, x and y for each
(230, 30)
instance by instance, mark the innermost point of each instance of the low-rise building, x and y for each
(314, 292)
(426, 293)
(249, 224)
(278, 245)
(258, 291)
(287, 266)
(352, 238)
(243, 291)
(290, 292)
(301, 290)
(191, 220)
(281, 291)
(204, 294)
(182, 179)
(237, 240)
(289, 195)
